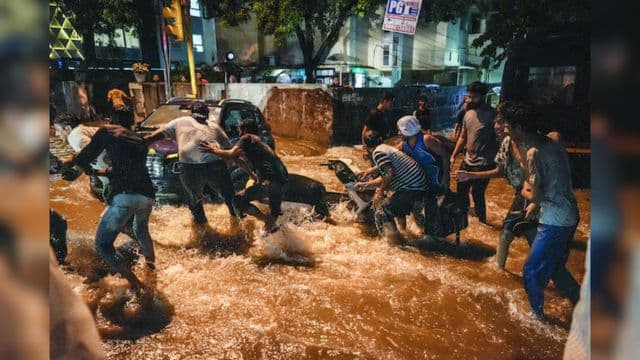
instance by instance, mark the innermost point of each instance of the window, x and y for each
(385, 55)
(394, 50)
(121, 44)
(197, 43)
(195, 8)
(234, 116)
(475, 24)
(552, 84)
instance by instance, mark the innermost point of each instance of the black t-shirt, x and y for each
(128, 155)
(263, 159)
(377, 122)
(423, 116)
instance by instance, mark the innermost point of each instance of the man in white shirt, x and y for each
(69, 129)
(200, 169)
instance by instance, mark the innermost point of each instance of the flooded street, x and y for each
(316, 290)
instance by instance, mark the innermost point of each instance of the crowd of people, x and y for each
(408, 178)
(495, 143)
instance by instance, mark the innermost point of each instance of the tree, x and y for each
(101, 17)
(513, 20)
(315, 23)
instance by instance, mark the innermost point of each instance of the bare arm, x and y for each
(242, 164)
(439, 149)
(155, 135)
(364, 130)
(462, 175)
(234, 152)
(461, 139)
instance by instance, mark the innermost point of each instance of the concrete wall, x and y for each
(301, 114)
(258, 94)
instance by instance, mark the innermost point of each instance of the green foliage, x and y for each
(514, 19)
(315, 23)
(102, 16)
(313, 20)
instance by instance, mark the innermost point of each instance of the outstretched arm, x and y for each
(463, 175)
(156, 135)
(234, 152)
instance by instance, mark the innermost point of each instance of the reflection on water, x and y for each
(315, 289)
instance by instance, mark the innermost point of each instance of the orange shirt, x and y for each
(117, 97)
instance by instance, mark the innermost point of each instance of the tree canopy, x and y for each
(102, 16)
(317, 23)
(512, 20)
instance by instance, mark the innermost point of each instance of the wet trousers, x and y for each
(123, 207)
(477, 188)
(549, 254)
(198, 178)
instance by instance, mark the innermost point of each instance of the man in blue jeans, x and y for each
(549, 189)
(131, 194)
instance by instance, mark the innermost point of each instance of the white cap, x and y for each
(409, 125)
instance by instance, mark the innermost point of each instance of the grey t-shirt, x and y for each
(550, 175)
(482, 145)
(190, 134)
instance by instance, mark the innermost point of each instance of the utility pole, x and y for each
(163, 45)
(186, 19)
(178, 14)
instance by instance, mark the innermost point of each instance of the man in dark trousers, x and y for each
(201, 170)
(479, 140)
(131, 194)
(266, 169)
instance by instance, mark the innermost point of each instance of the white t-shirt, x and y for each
(190, 135)
(80, 137)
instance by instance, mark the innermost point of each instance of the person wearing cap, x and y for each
(423, 114)
(393, 171)
(200, 169)
(432, 156)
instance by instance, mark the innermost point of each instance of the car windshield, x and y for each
(163, 115)
(166, 113)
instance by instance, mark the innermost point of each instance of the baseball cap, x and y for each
(408, 125)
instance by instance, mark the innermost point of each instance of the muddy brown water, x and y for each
(320, 291)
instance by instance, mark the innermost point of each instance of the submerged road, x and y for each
(316, 290)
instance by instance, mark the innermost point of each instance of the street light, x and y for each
(229, 57)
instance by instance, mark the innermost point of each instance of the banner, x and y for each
(402, 16)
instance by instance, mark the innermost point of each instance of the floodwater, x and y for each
(316, 290)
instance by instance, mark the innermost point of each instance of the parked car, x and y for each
(162, 161)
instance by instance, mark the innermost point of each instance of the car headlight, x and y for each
(155, 166)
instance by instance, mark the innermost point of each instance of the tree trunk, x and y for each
(306, 46)
(310, 71)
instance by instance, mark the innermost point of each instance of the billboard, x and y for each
(402, 16)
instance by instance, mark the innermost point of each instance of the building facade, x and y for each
(439, 53)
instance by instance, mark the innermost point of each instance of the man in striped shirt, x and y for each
(395, 171)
